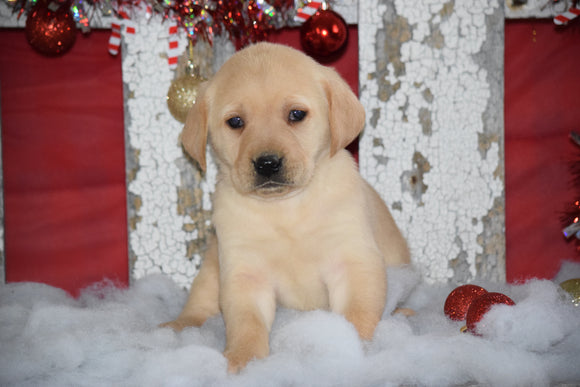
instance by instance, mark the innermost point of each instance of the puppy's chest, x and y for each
(297, 268)
(302, 237)
(293, 253)
(286, 233)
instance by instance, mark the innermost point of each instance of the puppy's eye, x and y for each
(296, 115)
(235, 123)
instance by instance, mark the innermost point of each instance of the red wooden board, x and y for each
(63, 161)
(542, 106)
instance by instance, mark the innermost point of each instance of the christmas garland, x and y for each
(51, 25)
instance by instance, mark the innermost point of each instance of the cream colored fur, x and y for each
(317, 237)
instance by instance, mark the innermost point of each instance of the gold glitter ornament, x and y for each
(572, 287)
(182, 94)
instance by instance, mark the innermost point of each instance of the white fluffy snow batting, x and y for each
(109, 336)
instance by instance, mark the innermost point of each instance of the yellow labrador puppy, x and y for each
(295, 222)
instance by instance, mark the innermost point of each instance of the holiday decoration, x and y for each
(243, 21)
(173, 47)
(122, 25)
(324, 34)
(572, 287)
(50, 29)
(481, 305)
(309, 9)
(459, 300)
(115, 38)
(570, 14)
(570, 217)
(183, 92)
(324, 31)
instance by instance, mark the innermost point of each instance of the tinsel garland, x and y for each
(244, 21)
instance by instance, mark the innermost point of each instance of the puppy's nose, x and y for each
(267, 165)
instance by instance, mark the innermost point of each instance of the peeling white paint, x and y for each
(461, 187)
(159, 240)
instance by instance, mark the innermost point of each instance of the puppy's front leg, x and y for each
(357, 289)
(248, 305)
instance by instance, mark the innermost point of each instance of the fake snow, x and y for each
(109, 336)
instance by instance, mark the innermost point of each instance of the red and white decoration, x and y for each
(571, 14)
(173, 47)
(309, 9)
(115, 38)
(118, 27)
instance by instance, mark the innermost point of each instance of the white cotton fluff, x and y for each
(401, 281)
(538, 321)
(110, 336)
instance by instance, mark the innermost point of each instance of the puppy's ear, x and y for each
(346, 113)
(194, 134)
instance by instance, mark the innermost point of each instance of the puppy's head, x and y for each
(271, 114)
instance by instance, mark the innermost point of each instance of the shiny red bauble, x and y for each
(458, 301)
(49, 32)
(481, 305)
(324, 34)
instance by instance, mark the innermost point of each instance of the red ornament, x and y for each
(324, 34)
(481, 305)
(458, 301)
(50, 32)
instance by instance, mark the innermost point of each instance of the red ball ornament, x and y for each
(51, 33)
(324, 34)
(458, 301)
(481, 305)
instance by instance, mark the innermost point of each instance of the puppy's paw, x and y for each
(181, 323)
(238, 359)
(364, 323)
(407, 312)
(175, 325)
(235, 362)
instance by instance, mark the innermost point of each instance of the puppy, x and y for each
(295, 223)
